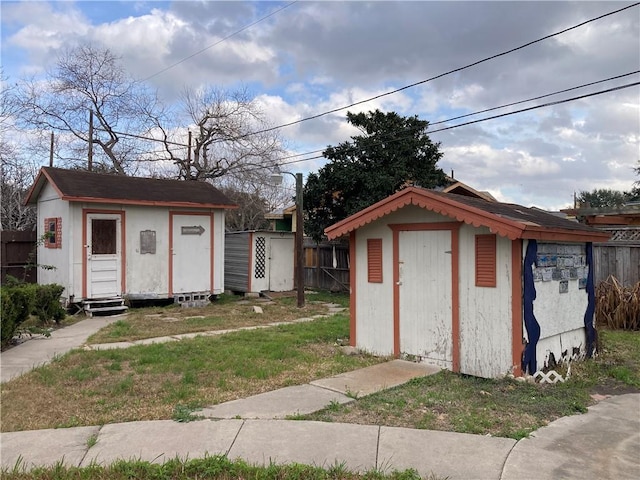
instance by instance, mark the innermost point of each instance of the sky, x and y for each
(303, 58)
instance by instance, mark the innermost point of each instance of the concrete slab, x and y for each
(299, 399)
(109, 346)
(40, 448)
(312, 443)
(603, 443)
(443, 454)
(41, 350)
(375, 378)
(162, 440)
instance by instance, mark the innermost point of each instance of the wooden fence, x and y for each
(620, 260)
(327, 265)
(16, 251)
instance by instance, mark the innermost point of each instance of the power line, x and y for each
(218, 42)
(592, 94)
(506, 52)
(534, 98)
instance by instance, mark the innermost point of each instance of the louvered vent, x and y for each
(485, 260)
(374, 260)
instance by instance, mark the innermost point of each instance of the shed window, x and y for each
(485, 260)
(53, 232)
(374, 260)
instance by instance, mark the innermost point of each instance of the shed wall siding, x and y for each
(147, 273)
(49, 205)
(485, 312)
(374, 301)
(237, 261)
(218, 251)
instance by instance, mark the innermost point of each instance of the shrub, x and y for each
(17, 303)
(47, 303)
(20, 300)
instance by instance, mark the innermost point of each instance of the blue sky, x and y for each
(312, 57)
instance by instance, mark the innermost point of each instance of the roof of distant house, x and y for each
(91, 187)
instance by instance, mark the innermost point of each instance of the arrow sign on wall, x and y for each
(192, 230)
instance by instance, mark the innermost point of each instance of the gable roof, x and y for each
(505, 219)
(464, 189)
(91, 187)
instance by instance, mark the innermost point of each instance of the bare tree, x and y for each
(225, 142)
(90, 79)
(16, 175)
(254, 197)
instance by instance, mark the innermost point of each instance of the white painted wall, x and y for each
(50, 205)
(279, 249)
(485, 312)
(561, 319)
(374, 301)
(145, 273)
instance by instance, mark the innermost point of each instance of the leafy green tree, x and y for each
(392, 152)
(603, 198)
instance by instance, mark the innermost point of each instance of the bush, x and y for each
(47, 303)
(20, 300)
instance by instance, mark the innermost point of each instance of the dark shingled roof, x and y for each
(79, 185)
(506, 219)
(519, 213)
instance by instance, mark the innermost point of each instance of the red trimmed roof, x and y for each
(505, 219)
(91, 187)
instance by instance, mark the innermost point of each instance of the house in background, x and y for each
(620, 255)
(282, 220)
(475, 286)
(112, 237)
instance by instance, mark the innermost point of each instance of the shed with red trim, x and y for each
(475, 286)
(110, 236)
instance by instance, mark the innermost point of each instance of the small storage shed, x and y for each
(110, 236)
(259, 260)
(478, 287)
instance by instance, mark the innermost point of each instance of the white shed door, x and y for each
(104, 255)
(425, 302)
(281, 252)
(191, 253)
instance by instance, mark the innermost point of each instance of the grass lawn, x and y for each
(163, 381)
(227, 312)
(218, 468)
(502, 407)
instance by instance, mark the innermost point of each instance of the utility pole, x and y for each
(90, 154)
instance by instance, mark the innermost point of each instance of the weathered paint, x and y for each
(257, 261)
(142, 275)
(49, 205)
(485, 332)
(103, 273)
(191, 256)
(425, 296)
(555, 321)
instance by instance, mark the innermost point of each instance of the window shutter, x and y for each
(374, 260)
(485, 260)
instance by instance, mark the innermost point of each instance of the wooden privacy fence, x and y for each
(327, 265)
(619, 257)
(16, 250)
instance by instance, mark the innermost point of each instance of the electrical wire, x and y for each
(217, 43)
(491, 109)
(609, 90)
(455, 70)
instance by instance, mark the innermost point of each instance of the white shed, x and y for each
(478, 287)
(111, 236)
(259, 260)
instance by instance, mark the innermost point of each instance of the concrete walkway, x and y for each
(603, 443)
